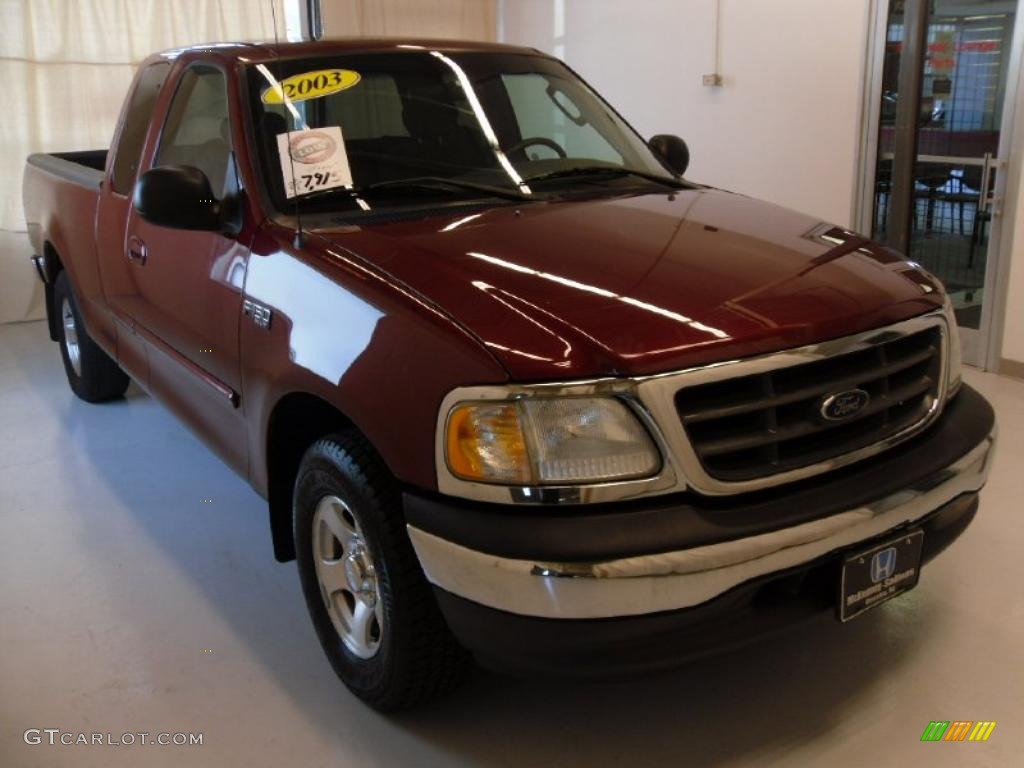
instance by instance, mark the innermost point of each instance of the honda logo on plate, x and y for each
(883, 565)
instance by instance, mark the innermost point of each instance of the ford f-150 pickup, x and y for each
(512, 386)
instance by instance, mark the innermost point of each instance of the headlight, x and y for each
(548, 441)
(954, 365)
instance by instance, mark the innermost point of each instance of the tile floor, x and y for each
(128, 604)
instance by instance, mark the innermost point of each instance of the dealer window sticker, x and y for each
(313, 159)
(310, 85)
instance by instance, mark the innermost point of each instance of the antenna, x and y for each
(298, 242)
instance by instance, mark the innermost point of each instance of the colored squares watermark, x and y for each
(958, 730)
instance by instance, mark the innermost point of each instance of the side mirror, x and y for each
(177, 196)
(672, 151)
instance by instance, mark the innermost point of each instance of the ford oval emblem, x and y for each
(844, 405)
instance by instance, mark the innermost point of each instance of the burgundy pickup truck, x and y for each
(512, 387)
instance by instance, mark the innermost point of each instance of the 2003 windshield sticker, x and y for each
(310, 85)
(312, 160)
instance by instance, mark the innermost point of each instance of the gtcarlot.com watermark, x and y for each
(55, 736)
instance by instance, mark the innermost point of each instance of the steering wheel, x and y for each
(552, 145)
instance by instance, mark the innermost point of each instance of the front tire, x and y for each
(93, 376)
(371, 606)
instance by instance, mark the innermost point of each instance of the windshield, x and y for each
(381, 130)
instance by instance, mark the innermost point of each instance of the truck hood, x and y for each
(643, 284)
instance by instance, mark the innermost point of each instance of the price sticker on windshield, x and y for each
(312, 160)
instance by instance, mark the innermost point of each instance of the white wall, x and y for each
(784, 126)
(1013, 330)
(1013, 229)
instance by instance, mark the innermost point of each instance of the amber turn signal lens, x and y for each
(485, 443)
(548, 441)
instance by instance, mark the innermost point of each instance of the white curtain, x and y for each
(461, 19)
(65, 66)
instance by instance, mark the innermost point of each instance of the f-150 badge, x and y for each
(259, 313)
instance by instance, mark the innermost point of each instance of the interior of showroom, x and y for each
(517, 375)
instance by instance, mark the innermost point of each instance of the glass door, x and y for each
(938, 162)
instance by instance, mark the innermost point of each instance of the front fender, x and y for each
(347, 333)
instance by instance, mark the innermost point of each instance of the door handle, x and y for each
(137, 250)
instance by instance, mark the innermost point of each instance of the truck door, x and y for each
(117, 274)
(189, 283)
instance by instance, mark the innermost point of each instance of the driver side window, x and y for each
(539, 116)
(198, 130)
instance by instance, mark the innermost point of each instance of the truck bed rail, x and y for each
(85, 168)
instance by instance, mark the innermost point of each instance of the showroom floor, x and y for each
(139, 593)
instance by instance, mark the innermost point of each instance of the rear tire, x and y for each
(372, 608)
(93, 376)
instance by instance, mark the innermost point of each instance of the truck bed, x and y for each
(61, 192)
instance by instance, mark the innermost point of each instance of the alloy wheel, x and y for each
(67, 317)
(347, 577)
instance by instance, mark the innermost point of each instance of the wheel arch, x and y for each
(297, 420)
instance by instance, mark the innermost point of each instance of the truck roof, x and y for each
(260, 52)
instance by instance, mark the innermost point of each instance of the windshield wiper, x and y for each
(436, 182)
(419, 182)
(601, 170)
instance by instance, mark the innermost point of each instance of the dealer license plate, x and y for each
(872, 576)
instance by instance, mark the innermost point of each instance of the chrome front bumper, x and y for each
(668, 581)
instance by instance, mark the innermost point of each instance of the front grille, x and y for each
(765, 423)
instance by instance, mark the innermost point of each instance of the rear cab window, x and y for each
(128, 151)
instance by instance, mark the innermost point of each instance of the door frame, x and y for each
(870, 112)
(1007, 190)
(1008, 180)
